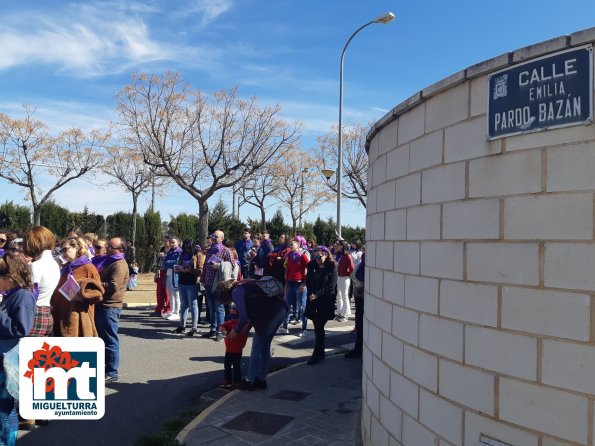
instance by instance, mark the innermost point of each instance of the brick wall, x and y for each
(480, 289)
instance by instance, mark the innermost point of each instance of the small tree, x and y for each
(184, 226)
(300, 189)
(355, 161)
(30, 157)
(276, 225)
(88, 221)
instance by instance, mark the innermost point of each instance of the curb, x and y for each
(181, 437)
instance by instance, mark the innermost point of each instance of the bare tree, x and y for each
(260, 189)
(300, 189)
(355, 161)
(125, 165)
(204, 143)
(30, 156)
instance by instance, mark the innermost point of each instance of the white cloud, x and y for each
(209, 10)
(90, 40)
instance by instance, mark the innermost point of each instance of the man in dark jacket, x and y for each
(114, 278)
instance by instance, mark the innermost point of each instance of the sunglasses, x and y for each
(317, 257)
(98, 246)
(113, 247)
(3, 240)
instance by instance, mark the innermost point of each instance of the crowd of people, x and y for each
(254, 283)
(71, 287)
(75, 287)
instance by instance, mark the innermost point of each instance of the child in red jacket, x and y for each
(233, 351)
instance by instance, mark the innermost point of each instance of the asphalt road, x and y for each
(161, 373)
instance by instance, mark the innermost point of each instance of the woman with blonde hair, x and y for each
(78, 290)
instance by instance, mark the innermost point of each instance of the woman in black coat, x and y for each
(321, 283)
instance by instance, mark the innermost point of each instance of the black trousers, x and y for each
(319, 338)
(233, 367)
(359, 321)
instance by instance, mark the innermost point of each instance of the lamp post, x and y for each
(384, 18)
(304, 170)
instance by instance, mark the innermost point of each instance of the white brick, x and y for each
(376, 280)
(421, 293)
(383, 315)
(373, 398)
(407, 257)
(381, 376)
(394, 288)
(507, 353)
(396, 225)
(388, 137)
(407, 191)
(441, 416)
(447, 108)
(442, 259)
(366, 421)
(475, 425)
(378, 171)
(421, 368)
(425, 151)
(404, 393)
(397, 162)
(376, 227)
(371, 200)
(378, 434)
(390, 417)
(374, 334)
(550, 313)
(558, 137)
(373, 152)
(471, 219)
(467, 386)
(517, 173)
(569, 265)
(551, 216)
(423, 223)
(366, 359)
(445, 183)
(411, 124)
(385, 198)
(405, 325)
(371, 255)
(547, 441)
(469, 302)
(468, 140)
(516, 263)
(571, 168)
(414, 434)
(479, 99)
(392, 352)
(569, 366)
(384, 255)
(441, 336)
(551, 411)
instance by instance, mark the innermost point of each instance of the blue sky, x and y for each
(70, 58)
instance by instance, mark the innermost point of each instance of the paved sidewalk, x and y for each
(303, 405)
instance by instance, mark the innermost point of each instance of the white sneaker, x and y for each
(173, 317)
(165, 315)
(282, 330)
(303, 334)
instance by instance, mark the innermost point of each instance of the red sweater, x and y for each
(346, 266)
(295, 266)
(237, 344)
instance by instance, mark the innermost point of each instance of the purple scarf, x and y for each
(101, 262)
(294, 256)
(214, 250)
(2, 251)
(70, 267)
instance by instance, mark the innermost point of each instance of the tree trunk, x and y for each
(263, 220)
(36, 215)
(203, 221)
(134, 207)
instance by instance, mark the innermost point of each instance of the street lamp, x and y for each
(384, 18)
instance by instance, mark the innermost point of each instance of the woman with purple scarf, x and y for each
(75, 315)
(171, 279)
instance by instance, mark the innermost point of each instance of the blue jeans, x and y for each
(9, 424)
(188, 300)
(106, 321)
(296, 298)
(216, 311)
(258, 367)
